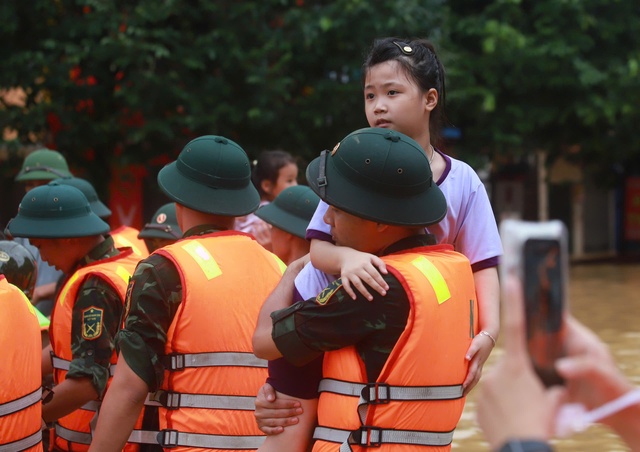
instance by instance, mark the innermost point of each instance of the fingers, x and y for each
(272, 426)
(473, 377)
(514, 318)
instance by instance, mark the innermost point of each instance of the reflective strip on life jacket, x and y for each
(21, 403)
(173, 438)
(22, 444)
(73, 435)
(178, 361)
(175, 400)
(63, 364)
(373, 437)
(377, 393)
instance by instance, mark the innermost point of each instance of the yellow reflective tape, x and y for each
(126, 243)
(435, 278)
(123, 273)
(202, 257)
(67, 286)
(281, 264)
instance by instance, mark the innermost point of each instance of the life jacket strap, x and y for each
(143, 437)
(21, 403)
(174, 438)
(369, 436)
(63, 364)
(175, 400)
(72, 435)
(22, 444)
(177, 361)
(381, 393)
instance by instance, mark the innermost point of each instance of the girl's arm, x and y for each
(354, 267)
(488, 293)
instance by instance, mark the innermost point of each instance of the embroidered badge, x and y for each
(92, 323)
(324, 296)
(4, 257)
(161, 218)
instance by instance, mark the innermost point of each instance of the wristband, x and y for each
(486, 333)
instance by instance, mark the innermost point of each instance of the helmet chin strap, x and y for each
(322, 176)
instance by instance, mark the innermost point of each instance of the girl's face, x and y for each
(287, 177)
(393, 100)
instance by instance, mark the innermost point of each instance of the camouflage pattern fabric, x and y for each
(153, 297)
(93, 333)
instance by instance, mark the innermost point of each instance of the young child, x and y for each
(273, 171)
(404, 90)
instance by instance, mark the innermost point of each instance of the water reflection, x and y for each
(606, 298)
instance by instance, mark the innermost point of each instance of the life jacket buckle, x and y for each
(367, 436)
(169, 400)
(168, 439)
(174, 361)
(376, 393)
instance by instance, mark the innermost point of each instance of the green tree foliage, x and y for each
(120, 81)
(559, 75)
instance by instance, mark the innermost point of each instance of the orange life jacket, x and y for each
(127, 237)
(20, 372)
(416, 402)
(212, 377)
(73, 431)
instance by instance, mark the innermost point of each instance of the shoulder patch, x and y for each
(324, 296)
(92, 323)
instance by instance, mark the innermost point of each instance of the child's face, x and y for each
(287, 177)
(393, 100)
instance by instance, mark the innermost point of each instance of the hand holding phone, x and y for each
(536, 252)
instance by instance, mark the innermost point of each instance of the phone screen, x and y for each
(544, 303)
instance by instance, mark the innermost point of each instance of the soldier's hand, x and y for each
(274, 414)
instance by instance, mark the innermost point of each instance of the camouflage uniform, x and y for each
(91, 357)
(157, 291)
(340, 321)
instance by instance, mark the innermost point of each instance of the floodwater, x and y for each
(606, 298)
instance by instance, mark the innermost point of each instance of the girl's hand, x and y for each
(358, 268)
(478, 353)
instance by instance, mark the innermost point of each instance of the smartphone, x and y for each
(537, 254)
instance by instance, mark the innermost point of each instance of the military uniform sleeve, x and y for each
(333, 321)
(153, 297)
(95, 319)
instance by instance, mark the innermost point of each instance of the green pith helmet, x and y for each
(56, 211)
(19, 266)
(379, 175)
(98, 207)
(212, 175)
(163, 225)
(292, 210)
(43, 164)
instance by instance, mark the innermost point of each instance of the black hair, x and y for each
(267, 167)
(419, 59)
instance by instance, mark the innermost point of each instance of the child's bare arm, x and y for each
(354, 267)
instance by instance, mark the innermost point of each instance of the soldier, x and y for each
(123, 236)
(191, 310)
(39, 168)
(404, 351)
(163, 228)
(289, 215)
(20, 372)
(59, 222)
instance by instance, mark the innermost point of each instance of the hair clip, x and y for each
(404, 47)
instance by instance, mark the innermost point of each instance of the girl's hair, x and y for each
(419, 59)
(267, 167)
